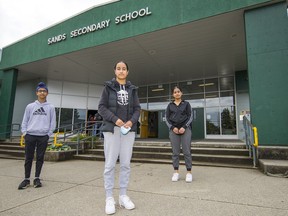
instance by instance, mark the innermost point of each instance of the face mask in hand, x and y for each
(124, 130)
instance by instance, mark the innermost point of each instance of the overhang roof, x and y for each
(209, 47)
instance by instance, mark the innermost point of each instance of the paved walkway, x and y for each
(75, 188)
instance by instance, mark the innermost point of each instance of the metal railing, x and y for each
(83, 132)
(8, 130)
(251, 138)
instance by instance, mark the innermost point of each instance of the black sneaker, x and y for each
(37, 183)
(24, 184)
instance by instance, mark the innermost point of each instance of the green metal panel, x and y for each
(7, 96)
(164, 14)
(198, 130)
(267, 53)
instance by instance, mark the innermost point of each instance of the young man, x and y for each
(38, 124)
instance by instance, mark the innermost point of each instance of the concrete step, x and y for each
(194, 150)
(11, 147)
(12, 153)
(276, 168)
(3, 143)
(228, 154)
(6, 156)
(208, 158)
(164, 161)
(200, 143)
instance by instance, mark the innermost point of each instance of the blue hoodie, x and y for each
(39, 119)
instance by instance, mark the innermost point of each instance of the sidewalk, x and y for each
(75, 188)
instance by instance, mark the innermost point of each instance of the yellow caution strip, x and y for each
(22, 141)
(255, 137)
(55, 140)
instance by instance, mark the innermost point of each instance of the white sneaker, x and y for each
(189, 177)
(175, 177)
(110, 206)
(125, 201)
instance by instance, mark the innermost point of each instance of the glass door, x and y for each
(220, 108)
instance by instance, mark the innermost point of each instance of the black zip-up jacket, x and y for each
(179, 116)
(113, 107)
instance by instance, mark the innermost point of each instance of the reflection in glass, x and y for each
(189, 87)
(212, 99)
(66, 119)
(158, 90)
(158, 103)
(195, 100)
(142, 92)
(144, 106)
(227, 83)
(57, 110)
(211, 85)
(79, 117)
(143, 100)
(227, 98)
(159, 99)
(228, 120)
(212, 121)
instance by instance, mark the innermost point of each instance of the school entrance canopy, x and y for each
(204, 48)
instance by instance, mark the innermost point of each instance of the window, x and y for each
(211, 85)
(158, 90)
(189, 87)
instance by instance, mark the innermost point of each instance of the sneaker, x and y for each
(175, 177)
(24, 184)
(125, 201)
(110, 206)
(189, 177)
(37, 183)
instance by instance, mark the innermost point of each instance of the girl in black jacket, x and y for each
(179, 119)
(119, 106)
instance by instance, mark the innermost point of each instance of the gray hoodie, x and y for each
(39, 119)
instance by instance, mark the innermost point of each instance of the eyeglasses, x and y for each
(42, 91)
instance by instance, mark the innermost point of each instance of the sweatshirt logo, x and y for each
(40, 111)
(122, 97)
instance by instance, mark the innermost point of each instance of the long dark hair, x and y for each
(176, 86)
(122, 62)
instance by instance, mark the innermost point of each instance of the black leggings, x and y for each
(40, 144)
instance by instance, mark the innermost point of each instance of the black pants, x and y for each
(31, 143)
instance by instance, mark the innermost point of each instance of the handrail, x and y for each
(255, 137)
(251, 137)
(10, 131)
(22, 141)
(80, 127)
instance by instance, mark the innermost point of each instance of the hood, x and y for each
(115, 85)
(42, 104)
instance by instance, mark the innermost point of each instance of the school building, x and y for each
(229, 57)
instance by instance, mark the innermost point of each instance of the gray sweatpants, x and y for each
(176, 142)
(116, 144)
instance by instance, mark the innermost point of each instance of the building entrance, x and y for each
(213, 101)
(148, 124)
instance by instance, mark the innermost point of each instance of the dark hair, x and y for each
(122, 62)
(176, 86)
